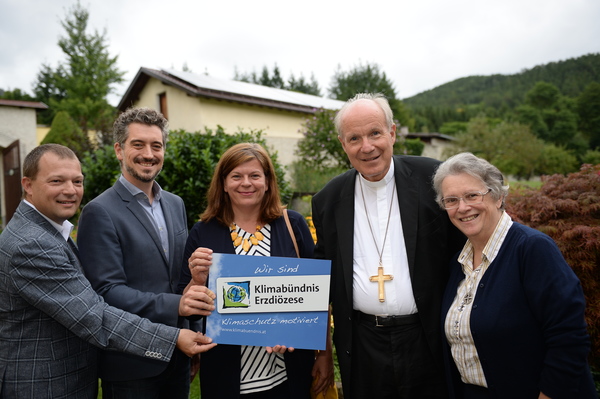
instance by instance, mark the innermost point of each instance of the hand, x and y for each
(199, 263)
(543, 396)
(323, 368)
(192, 343)
(278, 349)
(197, 300)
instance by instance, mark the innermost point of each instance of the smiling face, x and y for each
(57, 189)
(367, 140)
(476, 221)
(246, 186)
(142, 154)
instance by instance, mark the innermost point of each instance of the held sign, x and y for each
(268, 301)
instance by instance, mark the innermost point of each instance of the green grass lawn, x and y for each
(194, 389)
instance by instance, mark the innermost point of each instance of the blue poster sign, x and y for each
(268, 301)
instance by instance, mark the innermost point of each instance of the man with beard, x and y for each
(131, 240)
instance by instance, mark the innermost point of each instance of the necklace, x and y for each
(380, 278)
(245, 242)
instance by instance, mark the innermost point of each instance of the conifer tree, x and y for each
(81, 84)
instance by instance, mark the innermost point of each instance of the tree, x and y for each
(320, 148)
(368, 78)
(543, 95)
(567, 208)
(556, 159)
(550, 114)
(529, 115)
(452, 128)
(508, 145)
(302, 86)
(47, 91)
(65, 131)
(275, 80)
(81, 85)
(16, 94)
(588, 108)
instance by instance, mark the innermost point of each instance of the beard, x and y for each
(145, 178)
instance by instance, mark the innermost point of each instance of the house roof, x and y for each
(23, 104)
(201, 85)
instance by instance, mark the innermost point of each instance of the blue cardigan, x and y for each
(527, 322)
(220, 367)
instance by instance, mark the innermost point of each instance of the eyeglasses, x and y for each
(475, 197)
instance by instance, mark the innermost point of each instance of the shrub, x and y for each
(190, 159)
(101, 169)
(65, 131)
(308, 180)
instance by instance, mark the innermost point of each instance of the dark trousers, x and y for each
(394, 362)
(475, 392)
(278, 392)
(173, 383)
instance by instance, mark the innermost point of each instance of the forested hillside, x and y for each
(497, 95)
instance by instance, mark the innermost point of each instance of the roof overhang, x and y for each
(23, 104)
(144, 74)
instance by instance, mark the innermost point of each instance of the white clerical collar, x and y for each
(64, 229)
(387, 179)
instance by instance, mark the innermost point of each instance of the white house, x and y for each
(17, 137)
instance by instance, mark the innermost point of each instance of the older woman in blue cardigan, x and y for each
(513, 310)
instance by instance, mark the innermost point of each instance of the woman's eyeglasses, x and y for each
(475, 197)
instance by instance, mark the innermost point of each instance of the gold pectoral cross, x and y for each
(380, 279)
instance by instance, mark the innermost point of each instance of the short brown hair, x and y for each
(219, 203)
(31, 163)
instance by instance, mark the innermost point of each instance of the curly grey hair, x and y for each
(145, 116)
(466, 162)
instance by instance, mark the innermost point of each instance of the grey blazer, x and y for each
(51, 319)
(122, 256)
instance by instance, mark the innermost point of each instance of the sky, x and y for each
(418, 44)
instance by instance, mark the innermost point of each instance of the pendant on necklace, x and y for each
(246, 243)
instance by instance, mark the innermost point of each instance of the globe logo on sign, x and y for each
(236, 294)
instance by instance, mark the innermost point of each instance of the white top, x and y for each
(399, 299)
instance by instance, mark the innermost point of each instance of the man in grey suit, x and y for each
(51, 320)
(132, 239)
